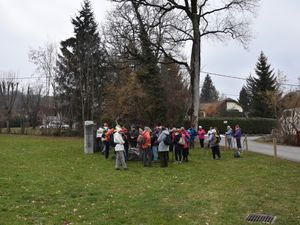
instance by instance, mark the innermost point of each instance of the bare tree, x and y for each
(8, 93)
(195, 20)
(45, 60)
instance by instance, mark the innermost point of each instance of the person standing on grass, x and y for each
(209, 132)
(134, 133)
(186, 137)
(119, 149)
(229, 135)
(163, 149)
(154, 143)
(126, 137)
(238, 135)
(178, 142)
(192, 132)
(201, 135)
(146, 147)
(214, 140)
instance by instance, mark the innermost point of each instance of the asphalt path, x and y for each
(284, 152)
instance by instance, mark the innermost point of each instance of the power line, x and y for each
(240, 78)
(223, 75)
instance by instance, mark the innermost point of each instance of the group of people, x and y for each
(214, 138)
(156, 144)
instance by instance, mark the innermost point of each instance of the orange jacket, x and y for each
(147, 137)
(108, 133)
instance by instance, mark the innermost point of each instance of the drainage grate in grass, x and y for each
(253, 217)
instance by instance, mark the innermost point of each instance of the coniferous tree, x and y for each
(260, 88)
(244, 99)
(178, 95)
(208, 93)
(81, 67)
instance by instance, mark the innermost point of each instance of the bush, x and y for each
(248, 125)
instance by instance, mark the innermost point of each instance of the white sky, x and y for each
(31, 23)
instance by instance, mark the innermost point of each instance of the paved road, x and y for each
(284, 152)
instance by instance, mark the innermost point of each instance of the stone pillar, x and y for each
(89, 137)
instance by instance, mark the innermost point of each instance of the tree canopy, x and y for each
(208, 92)
(81, 67)
(261, 88)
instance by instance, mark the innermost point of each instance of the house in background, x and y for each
(225, 108)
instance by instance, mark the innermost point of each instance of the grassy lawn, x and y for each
(47, 180)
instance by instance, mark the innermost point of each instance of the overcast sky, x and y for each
(31, 23)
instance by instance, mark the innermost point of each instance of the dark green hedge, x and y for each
(248, 125)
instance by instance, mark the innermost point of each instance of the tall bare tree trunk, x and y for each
(195, 68)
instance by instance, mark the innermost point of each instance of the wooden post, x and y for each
(275, 149)
(246, 142)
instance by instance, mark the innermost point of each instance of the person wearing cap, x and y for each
(119, 149)
(201, 135)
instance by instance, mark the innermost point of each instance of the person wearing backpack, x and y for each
(146, 146)
(164, 141)
(214, 140)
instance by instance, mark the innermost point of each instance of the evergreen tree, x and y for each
(260, 88)
(149, 74)
(208, 93)
(244, 99)
(178, 95)
(81, 67)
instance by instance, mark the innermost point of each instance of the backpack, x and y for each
(167, 140)
(141, 139)
(217, 138)
(237, 154)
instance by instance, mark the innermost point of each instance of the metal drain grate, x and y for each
(253, 217)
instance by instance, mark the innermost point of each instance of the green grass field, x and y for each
(47, 180)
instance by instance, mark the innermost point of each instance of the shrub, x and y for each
(248, 125)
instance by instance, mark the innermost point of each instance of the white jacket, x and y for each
(118, 140)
